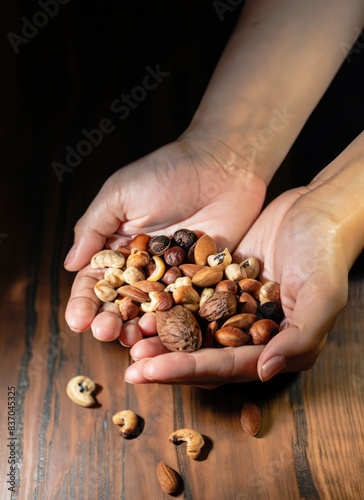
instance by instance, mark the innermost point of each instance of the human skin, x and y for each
(308, 239)
(257, 101)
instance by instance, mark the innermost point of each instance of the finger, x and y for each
(205, 366)
(148, 324)
(147, 348)
(292, 350)
(136, 329)
(303, 335)
(107, 324)
(83, 304)
(130, 333)
(91, 232)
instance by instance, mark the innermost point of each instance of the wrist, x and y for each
(339, 190)
(256, 139)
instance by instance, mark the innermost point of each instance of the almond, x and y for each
(207, 276)
(133, 293)
(140, 242)
(149, 286)
(230, 336)
(247, 303)
(189, 269)
(243, 320)
(251, 286)
(251, 419)
(168, 478)
(205, 246)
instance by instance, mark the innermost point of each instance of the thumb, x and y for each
(91, 232)
(303, 335)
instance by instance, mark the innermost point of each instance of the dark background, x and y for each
(65, 78)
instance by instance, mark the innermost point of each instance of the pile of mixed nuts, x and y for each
(201, 298)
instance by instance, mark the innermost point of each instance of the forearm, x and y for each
(277, 65)
(339, 192)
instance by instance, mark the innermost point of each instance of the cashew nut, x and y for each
(107, 258)
(159, 301)
(187, 296)
(104, 291)
(80, 389)
(220, 260)
(194, 441)
(160, 269)
(114, 276)
(127, 420)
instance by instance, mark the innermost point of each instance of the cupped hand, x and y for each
(297, 239)
(194, 184)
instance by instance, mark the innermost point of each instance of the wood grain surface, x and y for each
(310, 445)
(62, 81)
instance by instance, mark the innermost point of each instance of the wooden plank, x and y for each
(311, 444)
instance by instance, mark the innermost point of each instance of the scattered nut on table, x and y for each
(190, 284)
(168, 478)
(194, 440)
(127, 421)
(251, 418)
(80, 389)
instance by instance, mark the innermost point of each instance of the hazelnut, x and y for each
(174, 256)
(263, 330)
(227, 286)
(171, 275)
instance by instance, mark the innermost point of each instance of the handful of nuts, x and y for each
(200, 297)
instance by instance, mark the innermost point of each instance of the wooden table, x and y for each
(311, 444)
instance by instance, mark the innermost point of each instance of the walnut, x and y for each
(178, 329)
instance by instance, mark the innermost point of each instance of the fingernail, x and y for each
(70, 255)
(272, 367)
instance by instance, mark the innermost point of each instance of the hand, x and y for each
(190, 183)
(297, 239)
